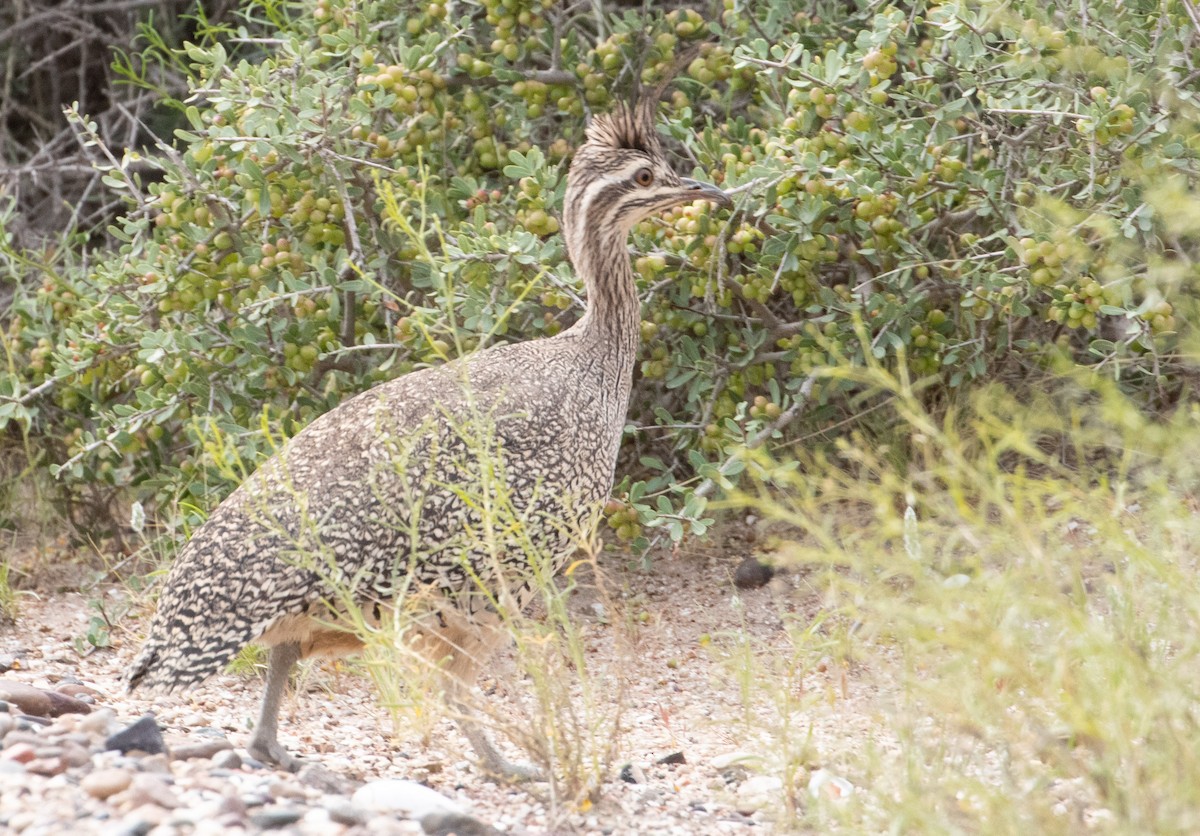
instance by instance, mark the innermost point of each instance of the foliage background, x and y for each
(308, 198)
(946, 337)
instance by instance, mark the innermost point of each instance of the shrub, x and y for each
(965, 192)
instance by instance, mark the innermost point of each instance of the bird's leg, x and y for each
(264, 745)
(491, 761)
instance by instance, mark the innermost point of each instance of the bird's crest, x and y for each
(627, 126)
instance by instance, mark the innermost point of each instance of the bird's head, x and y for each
(620, 176)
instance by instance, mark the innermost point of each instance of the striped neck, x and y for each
(611, 325)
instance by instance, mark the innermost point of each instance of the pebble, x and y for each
(757, 791)
(227, 759)
(25, 697)
(21, 752)
(276, 817)
(146, 788)
(105, 782)
(395, 795)
(456, 824)
(200, 749)
(823, 783)
(143, 735)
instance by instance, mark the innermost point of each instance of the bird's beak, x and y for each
(696, 190)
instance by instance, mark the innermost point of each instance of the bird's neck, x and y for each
(611, 324)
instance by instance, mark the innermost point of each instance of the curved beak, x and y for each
(697, 190)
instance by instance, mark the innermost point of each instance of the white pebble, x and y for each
(395, 795)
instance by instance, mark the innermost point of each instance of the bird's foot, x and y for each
(270, 751)
(507, 772)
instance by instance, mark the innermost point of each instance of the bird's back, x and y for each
(392, 487)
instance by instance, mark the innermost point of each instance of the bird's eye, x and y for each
(644, 177)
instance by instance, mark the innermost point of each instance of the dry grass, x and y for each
(1028, 573)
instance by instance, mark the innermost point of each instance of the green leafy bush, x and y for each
(964, 192)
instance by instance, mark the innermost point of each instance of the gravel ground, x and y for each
(684, 766)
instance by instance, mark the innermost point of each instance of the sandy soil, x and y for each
(684, 698)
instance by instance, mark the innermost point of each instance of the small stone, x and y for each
(456, 824)
(143, 735)
(105, 782)
(286, 789)
(26, 698)
(151, 789)
(8, 663)
(200, 749)
(395, 795)
(272, 818)
(79, 691)
(671, 759)
(155, 763)
(227, 759)
(99, 723)
(75, 754)
(631, 773)
(231, 805)
(723, 762)
(19, 752)
(52, 765)
(751, 574)
(142, 820)
(325, 780)
(7, 724)
(345, 812)
(823, 783)
(8, 767)
(757, 790)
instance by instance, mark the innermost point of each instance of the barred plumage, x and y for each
(371, 493)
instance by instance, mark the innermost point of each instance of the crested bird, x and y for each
(370, 496)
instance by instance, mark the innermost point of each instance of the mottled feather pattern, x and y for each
(376, 494)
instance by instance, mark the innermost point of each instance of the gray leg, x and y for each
(491, 761)
(264, 745)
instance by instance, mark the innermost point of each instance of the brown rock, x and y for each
(105, 782)
(66, 704)
(200, 749)
(19, 752)
(28, 699)
(78, 689)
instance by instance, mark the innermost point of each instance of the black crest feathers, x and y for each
(627, 126)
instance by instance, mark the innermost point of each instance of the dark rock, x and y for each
(673, 758)
(456, 824)
(751, 574)
(144, 735)
(275, 817)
